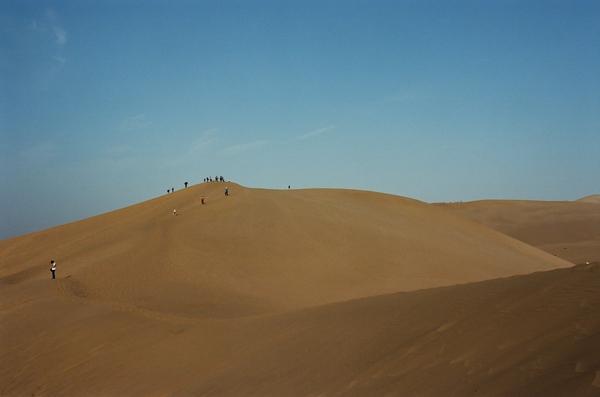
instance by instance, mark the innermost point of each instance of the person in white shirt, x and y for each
(53, 268)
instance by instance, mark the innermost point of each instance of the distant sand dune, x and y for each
(594, 198)
(567, 229)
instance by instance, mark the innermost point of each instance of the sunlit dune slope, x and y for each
(568, 229)
(259, 251)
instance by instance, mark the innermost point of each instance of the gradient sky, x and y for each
(108, 103)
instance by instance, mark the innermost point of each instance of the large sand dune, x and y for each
(567, 229)
(258, 251)
(227, 298)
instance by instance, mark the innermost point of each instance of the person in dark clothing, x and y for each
(53, 269)
(226, 191)
(185, 184)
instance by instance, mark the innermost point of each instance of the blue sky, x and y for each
(107, 103)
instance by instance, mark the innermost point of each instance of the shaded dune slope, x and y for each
(567, 229)
(526, 335)
(261, 251)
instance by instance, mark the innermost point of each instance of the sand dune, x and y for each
(260, 251)
(227, 298)
(594, 198)
(567, 229)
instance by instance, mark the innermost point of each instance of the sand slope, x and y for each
(259, 251)
(527, 335)
(226, 298)
(536, 334)
(567, 229)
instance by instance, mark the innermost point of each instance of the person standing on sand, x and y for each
(226, 191)
(53, 269)
(175, 212)
(185, 184)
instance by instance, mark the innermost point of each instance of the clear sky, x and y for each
(108, 103)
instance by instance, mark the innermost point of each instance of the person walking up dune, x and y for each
(53, 269)
(226, 191)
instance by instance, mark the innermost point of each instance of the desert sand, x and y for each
(567, 229)
(292, 292)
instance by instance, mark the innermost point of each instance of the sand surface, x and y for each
(567, 229)
(301, 292)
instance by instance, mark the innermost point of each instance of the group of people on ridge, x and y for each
(215, 179)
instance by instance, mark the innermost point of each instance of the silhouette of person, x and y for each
(53, 269)
(289, 187)
(185, 184)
